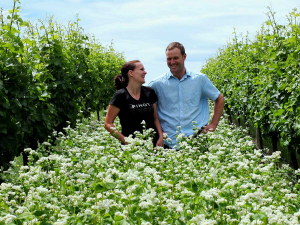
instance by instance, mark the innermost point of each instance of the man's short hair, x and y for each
(173, 45)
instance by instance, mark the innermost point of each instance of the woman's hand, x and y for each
(160, 142)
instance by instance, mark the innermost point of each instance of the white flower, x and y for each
(200, 220)
(276, 155)
(297, 171)
(137, 157)
(145, 223)
(46, 143)
(146, 204)
(8, 218)
(42, 190)
(180, 136)
(173, 204)
(210, 194)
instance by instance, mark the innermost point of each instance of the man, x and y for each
(182, 97)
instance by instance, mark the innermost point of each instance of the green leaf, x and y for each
(74, 159)
(109, 185)
(106, 215)
(26, 215)
(195, 187)
(124, 222)
(6, 104)
(258, 216)
(142, 215)
(139, 190)
(118, 218)
(18, 103)
(278, 112)
(38, 213)
(99, 187)
(3, 130)
(179, 222)
(24, 24)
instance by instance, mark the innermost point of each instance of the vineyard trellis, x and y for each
(49, 74)
(260, 80)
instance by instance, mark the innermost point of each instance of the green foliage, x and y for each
(49, 74)
(260, 78)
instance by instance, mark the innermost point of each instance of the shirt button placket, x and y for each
(180, 102)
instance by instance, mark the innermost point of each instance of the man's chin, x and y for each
(173, 71)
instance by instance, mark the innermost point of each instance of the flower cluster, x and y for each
(90, 178)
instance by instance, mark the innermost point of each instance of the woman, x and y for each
(133, 103)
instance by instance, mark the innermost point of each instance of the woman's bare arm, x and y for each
(160, 141)
(112, 113)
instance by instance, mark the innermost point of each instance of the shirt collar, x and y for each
(187, 74)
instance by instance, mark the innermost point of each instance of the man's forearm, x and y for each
(218, 109)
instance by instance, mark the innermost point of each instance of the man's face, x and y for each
(175, 60)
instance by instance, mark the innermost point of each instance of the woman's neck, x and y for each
(134, 89)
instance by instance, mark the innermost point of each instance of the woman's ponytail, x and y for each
(121, 81)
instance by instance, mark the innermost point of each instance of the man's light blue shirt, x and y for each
(180, 102)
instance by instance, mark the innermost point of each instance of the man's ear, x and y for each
(184, 56)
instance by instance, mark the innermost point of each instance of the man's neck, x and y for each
(180, 74)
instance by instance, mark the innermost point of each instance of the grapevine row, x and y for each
(49, 74)
(260, 80)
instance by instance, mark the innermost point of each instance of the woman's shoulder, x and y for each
(120, 94)
(119, 98)
(149, 92)
(147, 89)
(121, 91)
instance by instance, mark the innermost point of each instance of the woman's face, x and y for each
(139, 73)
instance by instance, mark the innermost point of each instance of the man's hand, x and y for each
(160, 142)
(219, 104)
(209, 128)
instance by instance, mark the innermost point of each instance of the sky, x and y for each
(142, 29)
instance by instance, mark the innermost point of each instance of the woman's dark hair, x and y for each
(121, 81)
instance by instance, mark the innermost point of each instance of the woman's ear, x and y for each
(130, 73)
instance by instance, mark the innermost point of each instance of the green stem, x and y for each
(12, 16)
(96, 209)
